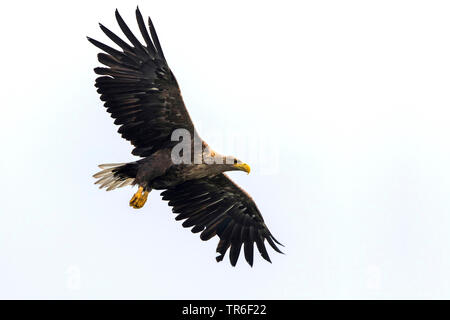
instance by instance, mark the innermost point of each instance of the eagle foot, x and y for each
(139, 198)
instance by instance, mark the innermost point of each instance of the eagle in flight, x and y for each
(141, 93)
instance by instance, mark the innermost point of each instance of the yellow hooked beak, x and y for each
(242, 166)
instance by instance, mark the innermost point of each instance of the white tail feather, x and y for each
(103, 178)
(110, 165)
(114, 185)
(126, 183)
(106, 177)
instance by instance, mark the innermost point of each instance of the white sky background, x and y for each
(352, 97)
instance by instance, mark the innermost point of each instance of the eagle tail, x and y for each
(116, 175)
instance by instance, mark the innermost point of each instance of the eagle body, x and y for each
(143, 97)
(158, 172)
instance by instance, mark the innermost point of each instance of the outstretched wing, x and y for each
(217, 206)
(139, 89)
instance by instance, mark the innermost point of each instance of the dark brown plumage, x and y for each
(217, 206)
(141, 93)
(139, 90)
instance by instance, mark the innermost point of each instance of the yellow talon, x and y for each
(139, 198)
